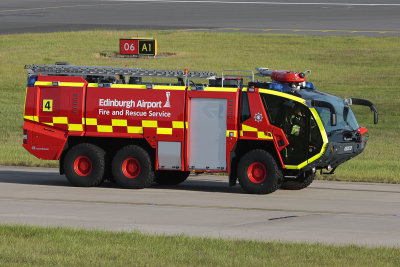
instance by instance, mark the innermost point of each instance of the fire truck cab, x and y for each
(108, 123)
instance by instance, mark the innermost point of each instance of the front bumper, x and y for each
(337, 153)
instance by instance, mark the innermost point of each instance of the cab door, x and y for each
(299, 126)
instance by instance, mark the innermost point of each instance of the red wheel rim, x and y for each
(131, 167)
(257, 172)
(83, 166)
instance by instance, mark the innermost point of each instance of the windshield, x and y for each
(345, 116)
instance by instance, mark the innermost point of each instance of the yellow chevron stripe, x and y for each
(60, 120)
(262, 135)
(118, 122)
(234, 133)
(220, 89)
(91, 121)
(68, 84)
(135, 129)
(75, 127)
(178, 124)
(164, 130)
(149, 123)
(104, 128)
(246, 128)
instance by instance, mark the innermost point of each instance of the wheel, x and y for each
(84, 165)
(132, 167)
(303, 180)
(171, 177)
(258, 172)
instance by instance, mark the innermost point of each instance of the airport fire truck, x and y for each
(142, 126)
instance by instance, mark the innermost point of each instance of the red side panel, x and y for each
(44, 142)
(66, 102)
(54, 110)
(155, 114)
(134, 112)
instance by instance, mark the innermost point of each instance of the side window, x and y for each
(245, 108)
(325, 116)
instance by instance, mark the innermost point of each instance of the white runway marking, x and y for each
(260, 2)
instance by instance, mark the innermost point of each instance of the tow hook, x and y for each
(330, 170)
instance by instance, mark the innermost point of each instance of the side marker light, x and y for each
(25, 140)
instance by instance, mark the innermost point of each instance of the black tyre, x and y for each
(84, 165)
(132, 167)
(258, 172)
(303, 180)
(171, 177)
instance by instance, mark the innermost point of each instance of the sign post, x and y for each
(138, 47)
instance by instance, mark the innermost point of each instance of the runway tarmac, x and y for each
(323, 17)
(204, 205)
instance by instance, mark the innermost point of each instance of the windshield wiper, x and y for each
(363, 102)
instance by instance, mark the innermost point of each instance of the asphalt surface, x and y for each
(326, 212)
(323, 17)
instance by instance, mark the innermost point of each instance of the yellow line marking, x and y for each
(308, 30)
(50, 7)
(70, 6)
(220, 89)
(285, 95)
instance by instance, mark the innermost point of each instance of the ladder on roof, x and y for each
(72, 70)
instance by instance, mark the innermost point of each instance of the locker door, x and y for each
(207, 133)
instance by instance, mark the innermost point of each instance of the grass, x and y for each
(37, 246)
(363, 67)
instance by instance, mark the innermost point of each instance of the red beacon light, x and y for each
(288, 76)
(286, 81)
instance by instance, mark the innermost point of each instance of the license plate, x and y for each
(348, 149)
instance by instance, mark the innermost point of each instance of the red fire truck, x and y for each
(131, 126)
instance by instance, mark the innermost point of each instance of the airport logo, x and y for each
(167, 104)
